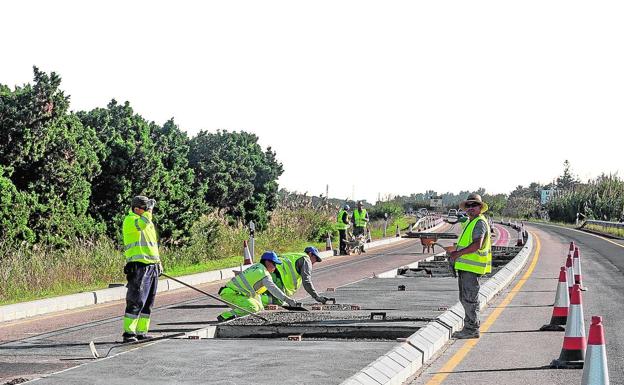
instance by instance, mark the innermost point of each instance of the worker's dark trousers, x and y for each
(469, 298)
(343, 241)
(142, 285)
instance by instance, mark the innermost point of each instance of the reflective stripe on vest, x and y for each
(359, 218)
(340, 225)
(249, 282)
(291, 279)
(140, 240)
(479, 262)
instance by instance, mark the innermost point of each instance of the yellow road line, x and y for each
(459, 356)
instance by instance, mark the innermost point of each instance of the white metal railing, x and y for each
(615, 225)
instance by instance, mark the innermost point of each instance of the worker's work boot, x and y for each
(127, 337)
(466, 334)
(143, 337)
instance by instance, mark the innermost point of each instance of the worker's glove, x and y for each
(322, 299)
(151, 204)
(159, 269)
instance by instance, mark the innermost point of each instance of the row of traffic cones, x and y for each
(577, 351)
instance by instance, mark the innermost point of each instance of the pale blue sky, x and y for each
(368, 97)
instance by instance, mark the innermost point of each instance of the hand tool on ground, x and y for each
(96, 355)
(215, 297)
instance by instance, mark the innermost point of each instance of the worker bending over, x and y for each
(295, 270)
(245, 289)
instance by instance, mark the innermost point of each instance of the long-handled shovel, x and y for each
(216, 298)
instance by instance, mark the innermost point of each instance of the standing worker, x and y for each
(342, 225)
(472, 258)
(295, 270)
(245, 289)
(360, 220)
(142, 268)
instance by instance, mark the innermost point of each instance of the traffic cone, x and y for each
(570, 274)
(573, 351)
(328, 245)
(247, 260)
(572, 245)
(596, 371)
(398, 233)
(576, 263)
(562, 303)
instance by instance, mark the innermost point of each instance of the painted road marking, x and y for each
(459, 356)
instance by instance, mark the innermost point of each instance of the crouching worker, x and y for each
(295, 270)
(245, 289)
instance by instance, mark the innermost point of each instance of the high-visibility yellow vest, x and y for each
(291, 279)
(479, 262)
(249, 281)
(140, 240)
(359, 218)
(340, 225)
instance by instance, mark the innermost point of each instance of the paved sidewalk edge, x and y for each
(402, 362)
(89, 298)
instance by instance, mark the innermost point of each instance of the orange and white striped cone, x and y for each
(574, 344)
(596, 371)
(328, 245)
(570, 274)
(562, 303)
(576, 263)
(572, 246)
(246, 254)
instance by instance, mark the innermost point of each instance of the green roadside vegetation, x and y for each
(38, 272)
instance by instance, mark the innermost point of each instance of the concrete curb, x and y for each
(402, 362)
(49, 305)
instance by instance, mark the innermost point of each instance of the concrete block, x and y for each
(451, 319)
(376, 374)
(423, 345)
(112, 294)
(350, 381)
(440, 328)
(399, 359)
(390, 363)
(364, 379)
(409, 352)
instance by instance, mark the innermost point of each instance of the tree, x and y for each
(235, 175)
(52, 157)
(142, 158)
(566, 181)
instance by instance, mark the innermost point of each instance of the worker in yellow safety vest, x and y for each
(472, 259)
(360, 220)
(342, 225)
(295, 271)
(244, 290)
(142, 268)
